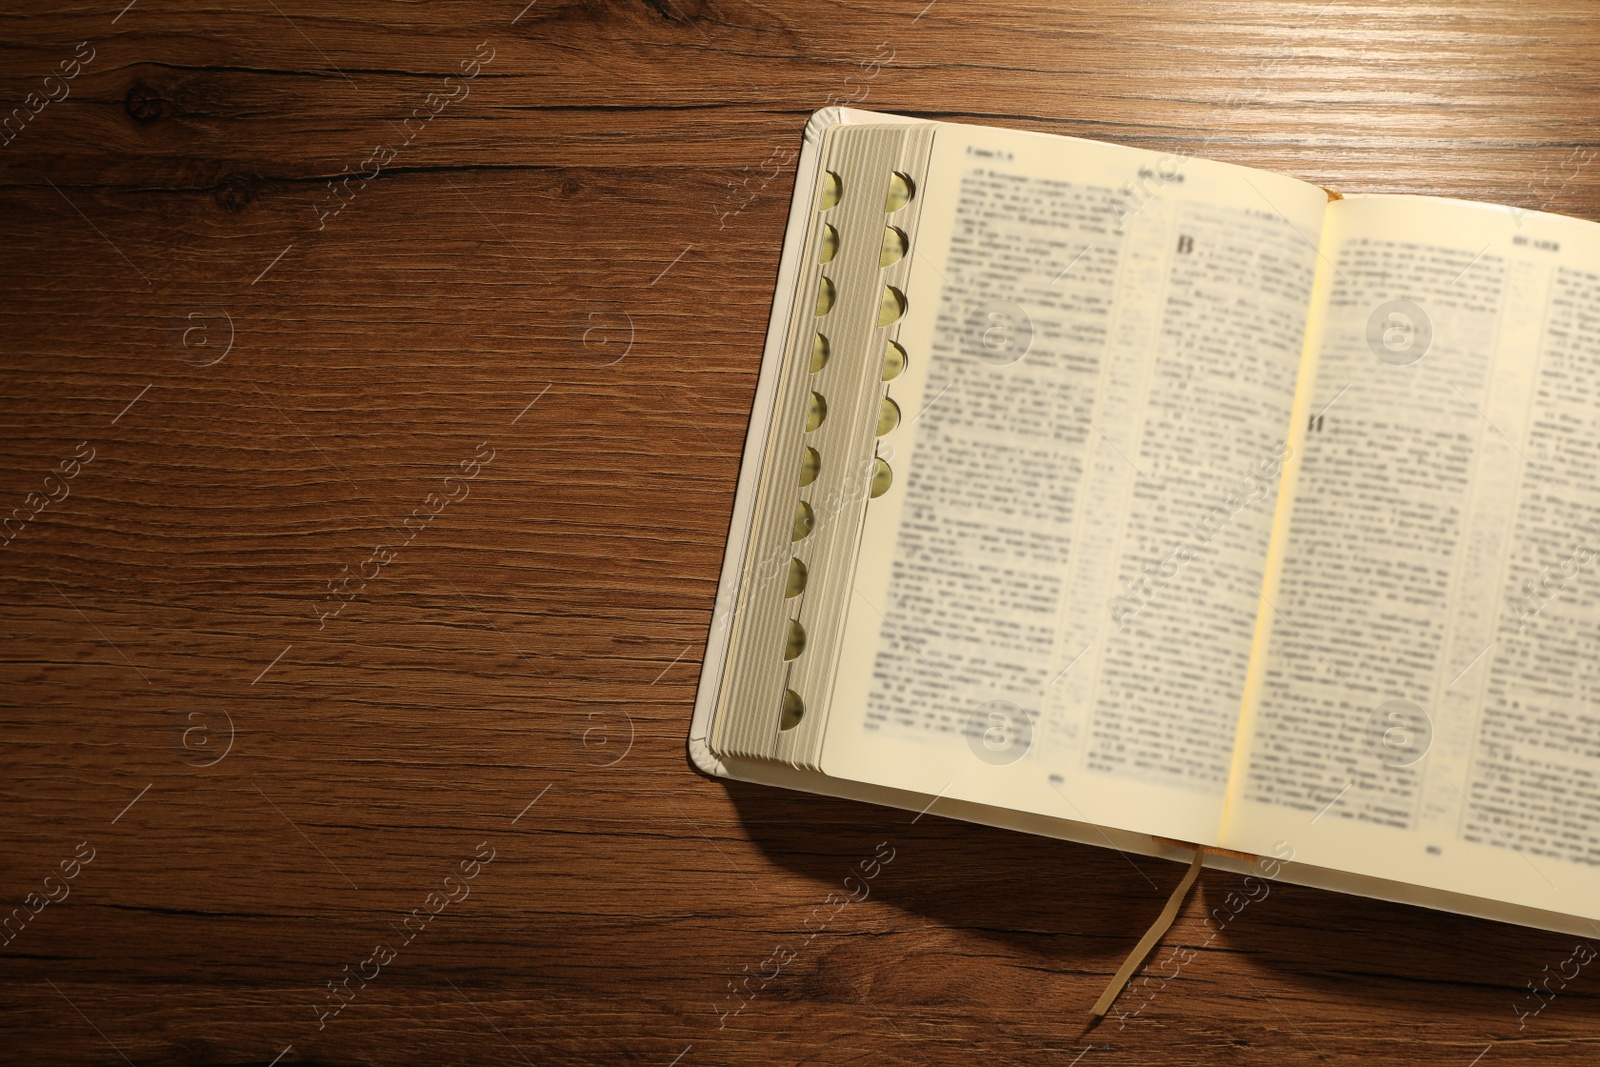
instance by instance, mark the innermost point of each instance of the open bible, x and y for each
(1160, 503)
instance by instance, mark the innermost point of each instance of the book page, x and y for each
(1426, 701)
(1054, 603)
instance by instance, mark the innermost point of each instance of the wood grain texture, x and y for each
(594, 226)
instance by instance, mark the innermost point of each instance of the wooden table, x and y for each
(414, 344)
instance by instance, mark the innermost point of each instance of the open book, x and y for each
(1150, 501)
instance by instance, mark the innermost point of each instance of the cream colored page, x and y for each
(1426, 714)
(1054, 602)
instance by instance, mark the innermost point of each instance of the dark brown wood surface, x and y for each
(590, 226)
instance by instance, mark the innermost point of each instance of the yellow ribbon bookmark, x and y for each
(1157, 930)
